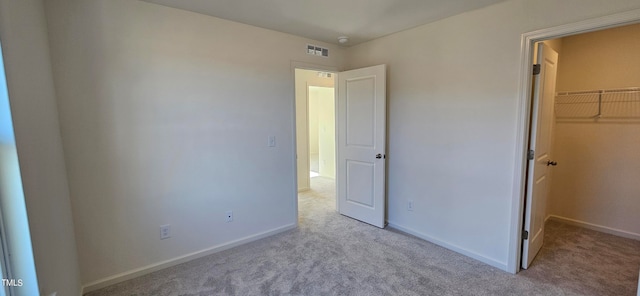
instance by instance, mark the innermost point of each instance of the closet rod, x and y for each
(599, 91)
(599, 115)
(595, 104)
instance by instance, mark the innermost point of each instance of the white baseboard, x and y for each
(452, 247)
(596, 227)
(121, 277)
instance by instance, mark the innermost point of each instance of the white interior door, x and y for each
(361, 144)
(539, 153)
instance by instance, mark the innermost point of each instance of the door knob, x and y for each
(378, 156)
(552, 163)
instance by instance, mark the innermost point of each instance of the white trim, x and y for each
(638, 285)
(450, 246)
(308, 134)
(121, 277)
(314, 67)
(596, 227)
(523, 116)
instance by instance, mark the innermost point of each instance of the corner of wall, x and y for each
(23, 29)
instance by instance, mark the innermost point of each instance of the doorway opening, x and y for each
(316, 135)
(586, 180)
(359, 126)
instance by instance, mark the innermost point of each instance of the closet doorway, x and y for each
(596, 132)
(592, 166)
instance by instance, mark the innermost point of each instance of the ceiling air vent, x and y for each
(317, 50)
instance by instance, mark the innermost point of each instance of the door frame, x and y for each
(312, 67)
(524, 114)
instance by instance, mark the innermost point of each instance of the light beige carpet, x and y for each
(586, 262)
(329, 254)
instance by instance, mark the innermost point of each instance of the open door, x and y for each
(361, 120)
(539, 152)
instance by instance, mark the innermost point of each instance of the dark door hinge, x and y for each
(536, 69)
(525, 234)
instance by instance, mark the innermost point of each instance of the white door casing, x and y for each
(361, 110)
(540, 142)
(639, 285)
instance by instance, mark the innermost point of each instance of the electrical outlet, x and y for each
(229, 216)
(165, 231)
(410, 205)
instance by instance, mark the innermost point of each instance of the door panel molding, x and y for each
(361, 120)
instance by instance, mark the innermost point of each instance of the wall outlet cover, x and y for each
(165, 231)
(229, 216)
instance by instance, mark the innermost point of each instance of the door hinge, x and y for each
(525, 234)
(536, 69)
(530, 155)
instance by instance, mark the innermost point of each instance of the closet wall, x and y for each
(596, 182)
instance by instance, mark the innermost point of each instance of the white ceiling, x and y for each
(326, 20)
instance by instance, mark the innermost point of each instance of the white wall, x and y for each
(322, 128)
(16, 249)
(313, 122)
(603, 59)
(35, 119)
(596, 181)
(453, 105)
(165, 116)
(304, 79)
(326, 129)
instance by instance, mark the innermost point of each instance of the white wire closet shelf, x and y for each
(619, 104)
